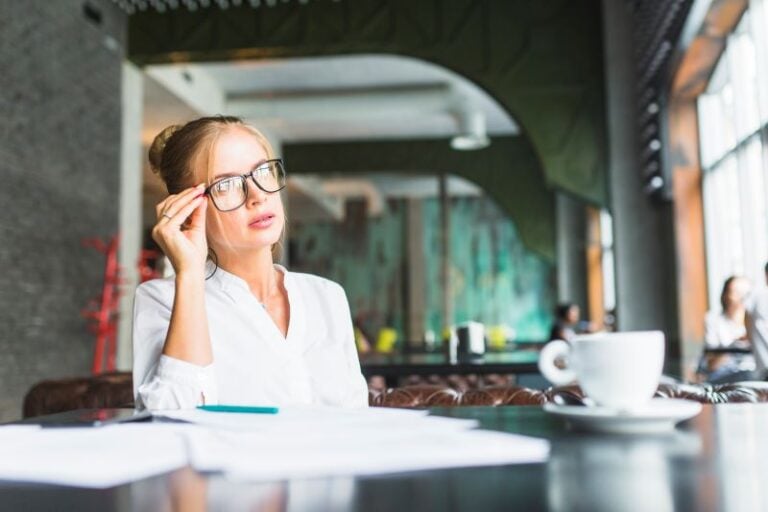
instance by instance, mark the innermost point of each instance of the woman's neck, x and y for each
(735, 313)
(256, 269)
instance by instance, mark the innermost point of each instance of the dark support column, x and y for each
(644, 245)
(571, 251)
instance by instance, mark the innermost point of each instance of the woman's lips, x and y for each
(262, 221)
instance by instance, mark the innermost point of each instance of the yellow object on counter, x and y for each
(386, 340)
(497, 336)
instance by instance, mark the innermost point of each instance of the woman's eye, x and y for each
(225, 186)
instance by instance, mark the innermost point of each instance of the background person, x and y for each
(726, 328)
(757, 326)
(568, 322)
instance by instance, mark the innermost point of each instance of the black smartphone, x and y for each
(87, 418)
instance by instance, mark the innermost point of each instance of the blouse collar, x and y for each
(228, 282)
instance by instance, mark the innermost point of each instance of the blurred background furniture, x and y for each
(116, 390)
(393, 368)
(105, 390)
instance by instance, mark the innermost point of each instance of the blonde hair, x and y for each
(178, 150)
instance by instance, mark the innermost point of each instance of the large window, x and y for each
(733, 114)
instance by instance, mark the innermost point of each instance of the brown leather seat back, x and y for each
(418, 396)
(116, 390)
(107, 390)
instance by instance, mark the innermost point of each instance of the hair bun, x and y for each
(158, 145)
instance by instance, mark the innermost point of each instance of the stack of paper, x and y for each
(295, 443)
(310, 442)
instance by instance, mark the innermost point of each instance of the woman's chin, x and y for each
(240, 247)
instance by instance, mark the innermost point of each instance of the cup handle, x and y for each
(547, 357)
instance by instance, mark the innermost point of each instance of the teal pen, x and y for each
(238, 408)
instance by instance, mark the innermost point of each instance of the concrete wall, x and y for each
(59, 163)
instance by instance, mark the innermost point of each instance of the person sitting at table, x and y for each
(231, 326)
(757, 327)
(726, 329)
(568, 322)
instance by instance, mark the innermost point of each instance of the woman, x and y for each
(232, 326)
(724, 329)
(568, 322)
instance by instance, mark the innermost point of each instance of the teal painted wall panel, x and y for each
(364, 255)
(496, 279)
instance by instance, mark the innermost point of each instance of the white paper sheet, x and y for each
(320, 422)
(296, 418)
(90, 457)
(251, 456)
(300, 442)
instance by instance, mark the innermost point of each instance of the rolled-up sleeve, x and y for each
(160, 381)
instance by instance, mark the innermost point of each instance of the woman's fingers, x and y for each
(178, 218)
(170, 226)
(172, 204)
(197, 217)
(172, 213)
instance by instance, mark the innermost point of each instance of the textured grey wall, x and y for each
(60, 76)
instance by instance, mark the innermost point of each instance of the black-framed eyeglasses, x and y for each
(231, 193)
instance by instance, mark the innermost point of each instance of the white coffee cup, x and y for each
(619, 370)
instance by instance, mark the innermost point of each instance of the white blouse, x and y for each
(253, 364)
(721, 331)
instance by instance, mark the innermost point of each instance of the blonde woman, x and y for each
(232, 327)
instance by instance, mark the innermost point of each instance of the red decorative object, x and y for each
(147, 260)
(103, 311)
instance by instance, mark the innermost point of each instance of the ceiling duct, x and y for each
(472, 130)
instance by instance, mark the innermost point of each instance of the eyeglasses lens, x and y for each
(230, 193)
(270, 177)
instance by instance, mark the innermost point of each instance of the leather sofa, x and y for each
(438, 396)
(116, 390)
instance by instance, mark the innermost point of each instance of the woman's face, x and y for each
(736, 292)
(573, 315)
(258, 223)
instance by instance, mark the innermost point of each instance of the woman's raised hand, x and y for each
(180, 230)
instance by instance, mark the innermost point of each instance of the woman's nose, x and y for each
(255, 194)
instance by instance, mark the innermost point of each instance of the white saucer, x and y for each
(659, 415)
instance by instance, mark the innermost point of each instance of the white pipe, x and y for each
(394, 103)
(350, 187)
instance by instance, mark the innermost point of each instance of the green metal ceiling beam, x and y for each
(540, 59)
(507, 170)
